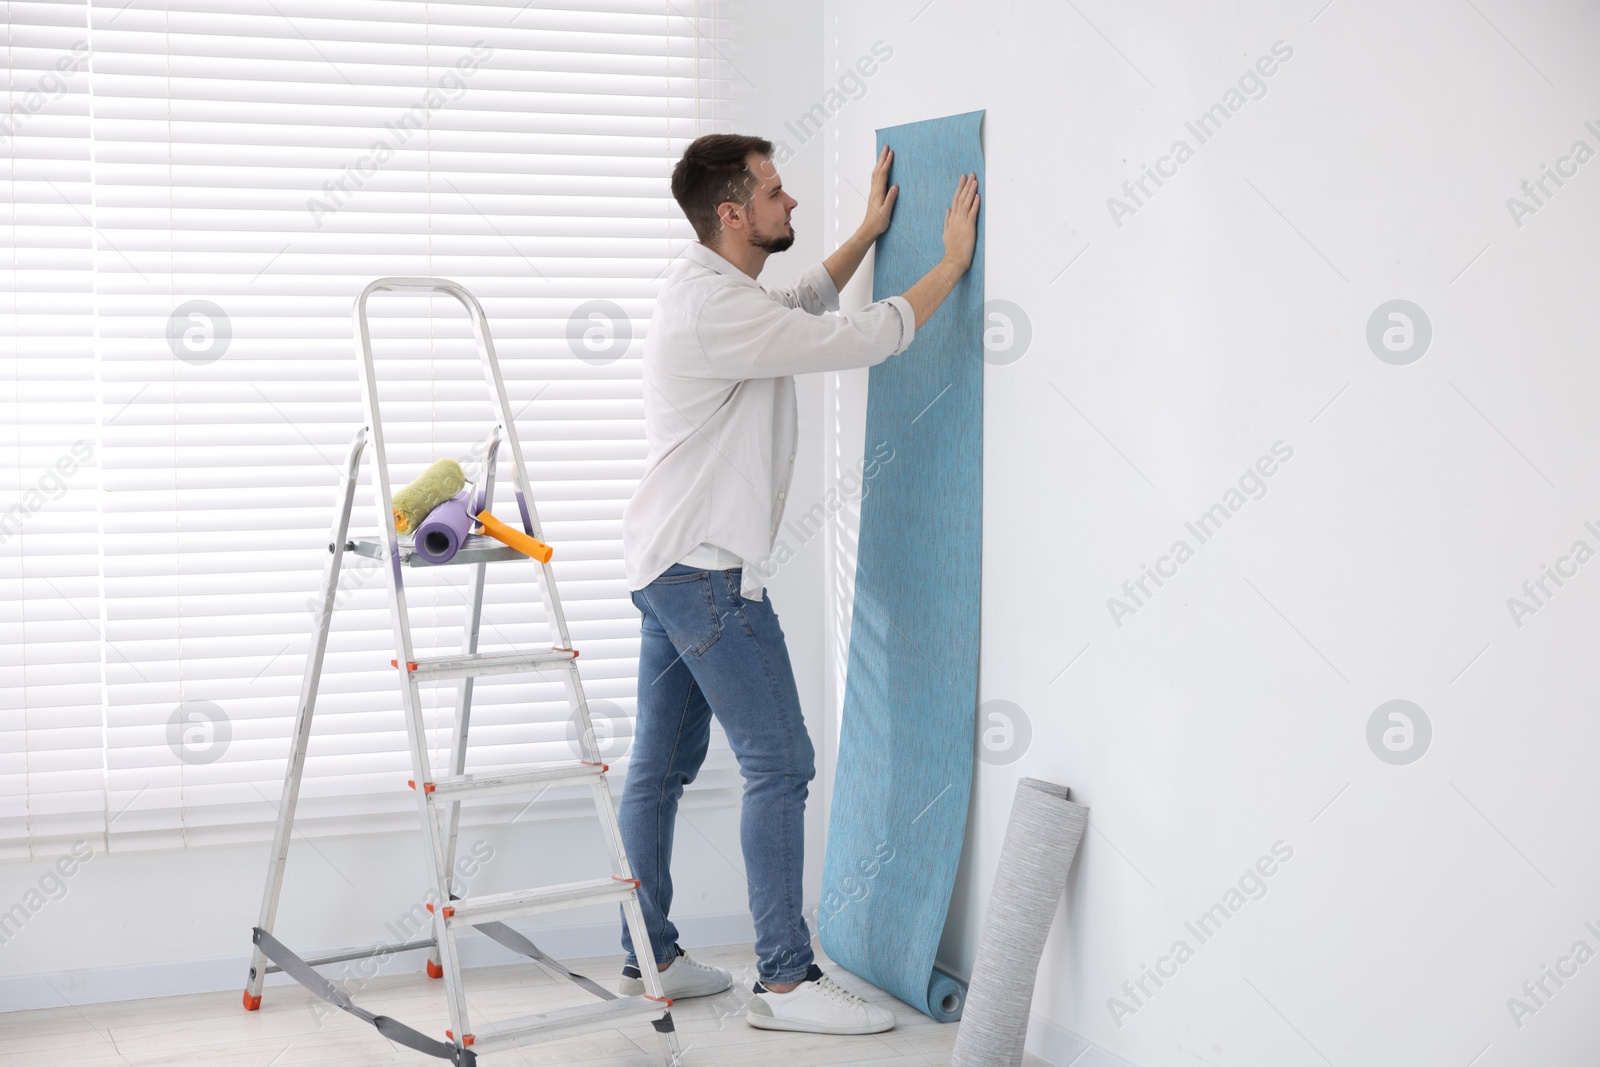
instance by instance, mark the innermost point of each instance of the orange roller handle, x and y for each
(518, 540)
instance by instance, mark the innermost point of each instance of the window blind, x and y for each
(51, 761)
(247, 166)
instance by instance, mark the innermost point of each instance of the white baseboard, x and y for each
(103, 985)
(1060, 1047)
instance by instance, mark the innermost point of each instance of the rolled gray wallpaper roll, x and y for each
(1041, 839)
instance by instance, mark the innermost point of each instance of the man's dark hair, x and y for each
(714, 170)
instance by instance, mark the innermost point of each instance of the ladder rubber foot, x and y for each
(251, 1003)
(434, 970)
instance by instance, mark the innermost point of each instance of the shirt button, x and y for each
(791, 457)
(780, 496)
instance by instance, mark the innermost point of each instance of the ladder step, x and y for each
(478, 664)
(458, 787)
(497, 906)
(527, 1029)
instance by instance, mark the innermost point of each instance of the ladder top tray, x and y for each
(478, 548)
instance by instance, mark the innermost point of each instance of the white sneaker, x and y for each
(818, 1005)
(682, 978)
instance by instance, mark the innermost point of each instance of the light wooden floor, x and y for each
(294, 1028)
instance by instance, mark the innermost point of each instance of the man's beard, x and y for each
(780, 243)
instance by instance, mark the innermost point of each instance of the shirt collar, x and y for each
(704, 256)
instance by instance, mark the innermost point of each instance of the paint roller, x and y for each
(443, 479)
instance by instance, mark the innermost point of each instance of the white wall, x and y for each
(153, 923)
(1229, 312)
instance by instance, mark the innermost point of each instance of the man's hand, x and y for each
(961, 223)
(880, 206)
(880, 201)
(960, 240)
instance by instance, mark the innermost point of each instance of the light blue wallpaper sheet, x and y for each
(906, 745)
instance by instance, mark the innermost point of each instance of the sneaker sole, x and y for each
(762, 1022)
(634, 987)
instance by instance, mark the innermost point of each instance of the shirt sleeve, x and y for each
(746, 332)
(813, 291)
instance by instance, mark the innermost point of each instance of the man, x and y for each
(720, 422)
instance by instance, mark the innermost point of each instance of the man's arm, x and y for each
(742, 333)
(931, 289)
(843, 263)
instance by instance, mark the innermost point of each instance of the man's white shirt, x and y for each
(720, 416)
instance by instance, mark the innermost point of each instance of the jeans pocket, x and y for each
(686, 607)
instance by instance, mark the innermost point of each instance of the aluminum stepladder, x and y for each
(439, 796)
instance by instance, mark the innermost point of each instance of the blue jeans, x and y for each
(705, 650)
